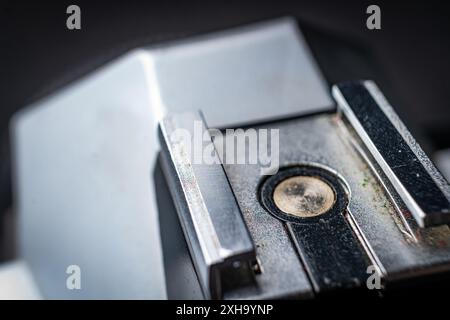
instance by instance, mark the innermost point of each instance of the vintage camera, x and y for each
(354, 195)
(354, 204)
(151, 198)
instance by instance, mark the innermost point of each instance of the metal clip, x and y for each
(211, 219)
(417, 181)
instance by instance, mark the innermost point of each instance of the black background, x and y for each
(409, 58)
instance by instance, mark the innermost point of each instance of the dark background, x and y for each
(409, 58)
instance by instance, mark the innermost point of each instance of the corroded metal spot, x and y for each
(304, 196)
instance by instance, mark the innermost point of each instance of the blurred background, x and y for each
(409, 57)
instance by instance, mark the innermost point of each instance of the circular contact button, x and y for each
(304, 196)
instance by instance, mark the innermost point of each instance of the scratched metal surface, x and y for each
(282, 273)
(394, 243)
(386, 139)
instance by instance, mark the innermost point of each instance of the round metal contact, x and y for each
(303, 194)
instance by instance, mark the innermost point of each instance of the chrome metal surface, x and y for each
(395, 245)
(82, 165)
(211, 219)
(391, 145)
(84, 156)
(259, 72)
(17, 283)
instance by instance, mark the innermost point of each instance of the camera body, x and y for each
(342, 207)
(293, 190)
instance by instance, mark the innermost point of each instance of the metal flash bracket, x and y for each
(390, 208)
(388, 141)
(209, 214)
